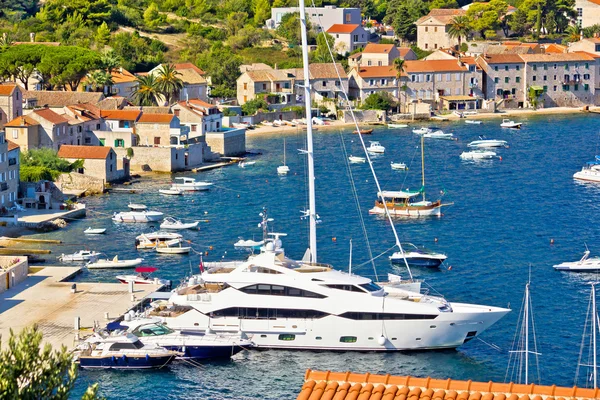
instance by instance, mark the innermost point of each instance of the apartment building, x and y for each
(380, 55)
(199, 117)
(319, 17)
(53, 129)
(588, 12)
(365, 81)
(503, 79)
(348, 37)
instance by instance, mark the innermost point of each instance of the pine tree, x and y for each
(102, 35)
(262, 11)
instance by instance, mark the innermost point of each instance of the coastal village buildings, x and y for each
(57, 100)
(25, 132)
(195, 85)
(432, 29)
(325, 16)
(53, 129)
(9, 172)
(380, 55)
(348, 37)
(588, 12)
(98, 161)
(198, 116)
(159, 130)
(11, 103)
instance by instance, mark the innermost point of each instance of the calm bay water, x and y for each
(504, 215)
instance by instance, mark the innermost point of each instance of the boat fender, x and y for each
(381, 340)
(124, 358)
(113, 359)
(183, 350)
(147, 357)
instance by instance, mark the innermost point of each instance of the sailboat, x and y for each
(590, 333)
(404, 203)
(283, 169)
(286, 303)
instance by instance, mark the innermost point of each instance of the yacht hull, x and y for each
(205, 352)
(432, 209)
(124, 362)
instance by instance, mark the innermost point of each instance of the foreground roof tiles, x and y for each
(123, 115)
(441, 15)
(61, 99)
(22, 121)
(342, 28)
(453, 65)
(84, 152)
(7, 89)
(156, 118)
(378, 48)
(321, 385)
(12, 145)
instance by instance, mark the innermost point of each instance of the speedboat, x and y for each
(439, 135)
(143, 277)
(137, 216)
(245, 164)
(149, 240)
(418, 256)
(190, 345)
(507, 123)
(424, 130)
(172, 248)
(190, 184)
(171, 192)
(478, 155)
(114, 263)
(267, 123)
(137, 207)
(81, 255)
(175, 224)
(283, 170)
(376, 148)
(584, 265)
(397, 125)
(590, 172)
(121, 351)
(94, 231)
(356, 159)
(487, 143)
(398, 165)
(473, 121)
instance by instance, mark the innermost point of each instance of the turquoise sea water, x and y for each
(504, 216)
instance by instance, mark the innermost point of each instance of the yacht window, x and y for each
(127, 346)
(278, 290)
(287, 336)
(152, 330)
(261, 270)
(371, 287)
(356, 315)
(318, 338)
(349, 288)
(267, 313)
(348, 339)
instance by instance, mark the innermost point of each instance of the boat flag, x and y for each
(201, 265)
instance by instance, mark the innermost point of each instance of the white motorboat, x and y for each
(586, 264)
(478, 155)
(356, 159)
(283, 169)
(507, 123)
(114, 263)
(137, 216)
(121, 351)
(81, 255)
(488, 143)
(190, 184)
(171, 192)
(318, 121)
(425, 130)
(137, 207)
(143, 277)
(175, 224)
(418, 256)
(590, 172)
(94, 231)
(245, 164)
(473, 121)
(267, 123)
(149, 240)
(439, 135)
(376, 148)
(277, 122)
(397, 125)
(172, 248)
(398, 166)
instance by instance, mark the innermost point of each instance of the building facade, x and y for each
(325, 16)
(98, 161)
(348, 37)
(24, 131)
(588, 12)
(10, 175)
(432, 29)
(53, 129)
(11, 102)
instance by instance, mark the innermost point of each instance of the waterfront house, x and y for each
(53, 129)
(57, 100)
(365, 81)
(588, 12)
(348, 37)
(380, 55)
(502, 79)
(432, 29)
(325, 16)
(9, 172)
(24, 131)
(98, 161)
(89, 117)
(159, 130)
(198, 116)
(117, 129)
(11, 102)
(327, 83)
(195, 85)
(275, 84)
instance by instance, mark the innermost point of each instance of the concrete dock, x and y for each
(46, 300)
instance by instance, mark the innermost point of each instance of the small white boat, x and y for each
(425, 130)
(81, 255)
(137, 207)
(418, 257)
(166, 248)
(149, 240)
(318, 121)
(174, 224)
(376, 148)
(487, 143)
(440, 118)
(356, 159)
(478, 155)
(266, 123)
(190, 184)
(584, 265)
(240, 125)
(114, 263)
(590, 172)
(397, 125)
(398, 166)
(245, 164)
(277, 122)
(137, 216)
(439, 135)
(473, 121)
(171, 192)
(143, 277)
(507, 123)
(94, 231)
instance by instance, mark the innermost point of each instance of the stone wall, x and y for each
(260, 117)
(13, 270)
(77, 181)
(227, 143)
(164, 159)
(365, 116)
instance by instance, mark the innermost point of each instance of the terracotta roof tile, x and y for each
(12, 145)
(7, 89)
(201, 103)
(593, 55)
(23, 120)
(190, 76)
(554, 57)
(84, 152)
(189, 66)
(555, 48)
(378, 48)
(404, 51)
(342, 28)
(50, 116)
(156, 118)
(441, 15)
(123, 115)
(122, 76)
(376, 72)
(414, 66)
(61, 99)
(503, 59)
(320, 385)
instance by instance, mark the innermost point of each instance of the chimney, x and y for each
(31, 37)
(275, 66)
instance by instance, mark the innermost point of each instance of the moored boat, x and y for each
(149, 240)
(398, 166)
(356, 159)
(590, 172)
(507, 123)
(473, 121)
(190, 184)
(137, 216)
(364, 131)
(418, 256)
(143, 277)
(376, 148)
(94, 231)
(283, 169)
(171, 192)
(439, 135)
(478, 155)
(114, 263)
(585, 264)
(487, 143)
(175, 248)
(81, 255)
(175, 224)
(425, 130)
(397, 125)
(137, 206)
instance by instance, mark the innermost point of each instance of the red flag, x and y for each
(201, 265)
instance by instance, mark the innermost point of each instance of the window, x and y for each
(264, 86)
(517, 67)
(499, 92)
(357, 315)
(554, 77)
(448, 77)
(427, 78)
(371, 82)
(506, 79)
(349, 288)
(506, 67)
(566, 78)
(156, 140)
(245, 85)
(555, 66)
(513, 91)
(545, 67)
(287, 336)
(534, 67)
(127, 346)
(97, 126)
(554, 88)
(87, 140)
(324, 83)
(426, 30)
(267, 313)
(101, 140)
(177, 112)
(435, 29)
(545, 77)
(545, 89)
(587, 65)
(383, 82)
(348, 339)
(380, 63)
(15, 133)
(586, 76)
(356, 38)
(534, 78)
(277, 290)
(580, 12)
(457, 76)
(586, 87)
(194, 128)
(496, 80)
(426, 45)
(119, 143)
(566, 67)
(152, 330)
(565, 88)
(518, 79)
(575, 87)
(495, 68)
(371, 287)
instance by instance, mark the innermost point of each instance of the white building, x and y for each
(325, 16)
(588, 12)
(348, 37)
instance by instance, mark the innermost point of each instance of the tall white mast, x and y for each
(527, 334)
(594, 327)
(311, 212)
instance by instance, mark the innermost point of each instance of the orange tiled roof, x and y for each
(23, 120)
(12, 145)
(122, 76)
(376, 72)
(50, 116)
(378, 48)
(555, 48)
(320, 385)
(553, 57)
(189, 66)
(415, 66)
(404, 51)
(442, 15)
(503, 59)
(123, 115)
(7, 89)
(156, 118)
(595, 1)
(594, 55)
(342, 28)
(84, 152)
(201, 103)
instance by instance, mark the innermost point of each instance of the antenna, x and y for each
(350, 261)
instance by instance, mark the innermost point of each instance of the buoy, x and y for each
(210, 247)
(500, 158)
(206, 253)
(450, 268)
(551, 241)
(238, 196)
(205, 212)
(333, 239)
(435, 240)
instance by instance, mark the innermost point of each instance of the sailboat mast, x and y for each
(284, 151)
(312, 214)
(526, 334)
(423, 165)
(594, 327)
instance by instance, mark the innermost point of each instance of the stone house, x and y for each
(88, 117)
(502, 79)
(319, 17)
(195, 85)
(348, 37)
(588, 12)
(432, 29)
(365, 81)
(57, 100)
(53, 130)
(277, 82)
(11, 102)
(119, 129)
(9, 173)
(380, 55)
(159, 130)
(98, 161)
(590, 45)
(24, 131)
(198, 116)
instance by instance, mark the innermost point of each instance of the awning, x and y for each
(399, 194)
(537, 88)
(458, 98)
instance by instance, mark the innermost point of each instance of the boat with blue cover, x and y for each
(418, 256)
(590, 171)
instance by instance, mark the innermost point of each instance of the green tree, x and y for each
(459, 27)
(21, 61)
(550, 22)
(518, 22)
(110, 61)
(102, 35)
(572, 33)
(168, 82)
(402, 15)
(321, 54)
(93, 12)
(262, 11)
(223, 67)
(236, 21)
(379, 101)
(99, 80)
(252, 106)
(289, 27)
(137, 53)
(486, 16)
(146, 92)
(443, 4)
(152, 17)
(399, 67)
(67, 65)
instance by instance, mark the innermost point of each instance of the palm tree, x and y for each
(146, 92)
(399, 67)
(573, 32)
(168, 82)
(110, 61)
(98, 80)
(459, 27)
